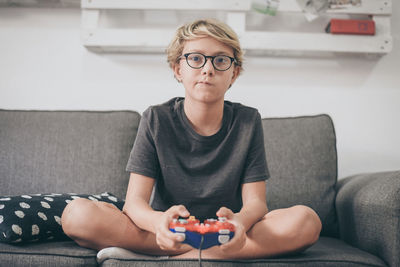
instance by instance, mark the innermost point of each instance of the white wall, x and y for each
(44, 66)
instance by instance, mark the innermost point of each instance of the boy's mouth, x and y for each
(204, 82)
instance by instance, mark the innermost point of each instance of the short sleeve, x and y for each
(256, 168)
(143, 158)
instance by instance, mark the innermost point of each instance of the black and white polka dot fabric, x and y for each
(37, 217)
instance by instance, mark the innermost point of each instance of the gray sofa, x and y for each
(86, 152)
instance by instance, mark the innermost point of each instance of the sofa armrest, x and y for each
(368, 209)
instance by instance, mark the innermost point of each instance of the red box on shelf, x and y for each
(351, 26)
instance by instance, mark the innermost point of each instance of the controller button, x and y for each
(223, 239)
(183, 221)
(222, 219)
(224, 231)
(180, 229)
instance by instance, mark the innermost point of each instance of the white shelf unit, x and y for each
(145, 39)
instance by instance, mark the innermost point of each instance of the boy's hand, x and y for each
(166, 239)
(239, 238)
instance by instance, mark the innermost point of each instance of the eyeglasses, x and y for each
(198, 60)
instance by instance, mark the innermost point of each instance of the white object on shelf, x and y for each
(147, 39)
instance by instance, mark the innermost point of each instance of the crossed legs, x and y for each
(98, 225)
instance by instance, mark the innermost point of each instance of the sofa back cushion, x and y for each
(302, 160)
(65, 151)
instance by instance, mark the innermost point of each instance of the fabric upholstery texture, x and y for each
(65, 253)
(301, 157)
(65, 151)
(326, 252)
(369, 213)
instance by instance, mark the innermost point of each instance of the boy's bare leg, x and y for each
(98, 225)
(279, 232)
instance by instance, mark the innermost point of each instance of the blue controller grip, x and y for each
(210, 239)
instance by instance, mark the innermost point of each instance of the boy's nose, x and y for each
(208, 68)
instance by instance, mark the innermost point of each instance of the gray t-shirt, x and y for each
(203, 173)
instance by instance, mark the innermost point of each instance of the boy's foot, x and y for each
(121, 253)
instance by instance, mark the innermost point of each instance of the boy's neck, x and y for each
(205, 118)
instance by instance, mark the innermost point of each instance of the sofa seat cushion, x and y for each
(65, 253)
(326, 252)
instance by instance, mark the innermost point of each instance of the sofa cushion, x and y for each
(38, 217)
(301, 157)
(65, 151)
(326, 252)
(65, 253)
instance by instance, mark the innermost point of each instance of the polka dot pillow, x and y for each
(37, 217)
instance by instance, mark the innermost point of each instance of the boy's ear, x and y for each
(235, 74)
(177, 72)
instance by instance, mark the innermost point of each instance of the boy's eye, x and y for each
(196, 58)
(221, 59)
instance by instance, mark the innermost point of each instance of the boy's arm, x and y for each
(254, 208)
(137, 208)
(254, 204)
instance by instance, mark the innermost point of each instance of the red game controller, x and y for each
(203, 235)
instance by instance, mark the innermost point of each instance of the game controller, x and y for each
(203, 235)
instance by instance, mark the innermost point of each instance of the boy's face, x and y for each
(206, 84)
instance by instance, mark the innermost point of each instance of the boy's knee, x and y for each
(301, 227)
(310, 223)
(77, 216)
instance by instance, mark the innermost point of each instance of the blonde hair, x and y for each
(200, 28)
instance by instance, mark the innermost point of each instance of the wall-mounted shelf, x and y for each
(145, 39)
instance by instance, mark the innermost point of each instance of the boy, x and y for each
(205, 157)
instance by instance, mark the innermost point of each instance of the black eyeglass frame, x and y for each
(233, 60)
